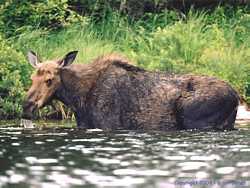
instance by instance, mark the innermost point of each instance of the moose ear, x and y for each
(33, 59)
(68, 59)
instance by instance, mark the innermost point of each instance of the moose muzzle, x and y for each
(29, 107)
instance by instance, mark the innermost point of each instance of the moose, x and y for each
(112, 93)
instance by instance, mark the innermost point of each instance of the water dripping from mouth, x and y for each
(27, 124)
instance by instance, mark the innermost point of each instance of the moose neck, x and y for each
(77, 103)
(77, 81)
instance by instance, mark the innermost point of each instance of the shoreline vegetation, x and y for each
(213, 42)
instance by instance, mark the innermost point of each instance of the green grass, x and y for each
(210, 43)
(56, 45)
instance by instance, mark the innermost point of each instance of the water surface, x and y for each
(69, 157)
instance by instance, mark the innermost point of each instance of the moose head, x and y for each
(45, 81)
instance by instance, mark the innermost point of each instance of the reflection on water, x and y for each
(77, 158)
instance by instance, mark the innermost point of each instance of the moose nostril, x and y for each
(33, 108)
(29, 108)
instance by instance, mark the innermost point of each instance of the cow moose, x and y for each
(111, 93)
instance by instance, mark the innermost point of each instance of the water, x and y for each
(28, 124)
(67, 157)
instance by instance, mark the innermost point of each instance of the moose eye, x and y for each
(48, 82)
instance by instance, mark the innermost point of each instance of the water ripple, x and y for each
(93, 158)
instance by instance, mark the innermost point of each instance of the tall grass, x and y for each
(56, 45)
(200, 43)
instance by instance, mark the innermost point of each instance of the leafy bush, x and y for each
(14, 72)
(138, 9)
(16, 15)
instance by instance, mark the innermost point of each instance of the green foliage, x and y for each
(14, 74)
(55, 45)
(16, 15)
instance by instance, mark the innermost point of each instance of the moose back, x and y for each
(111, 93)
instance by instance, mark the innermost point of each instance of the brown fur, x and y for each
(111, 93)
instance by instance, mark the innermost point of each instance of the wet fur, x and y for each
(111, 93)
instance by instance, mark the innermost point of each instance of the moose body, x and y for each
(110, 93)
